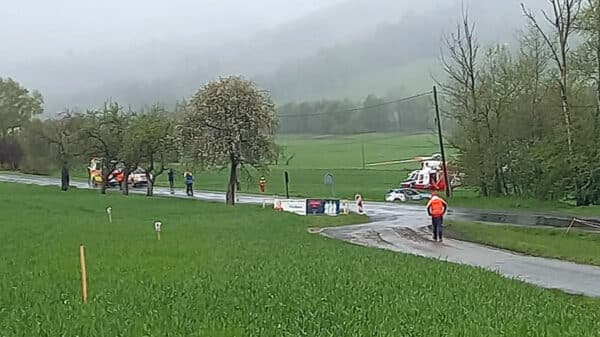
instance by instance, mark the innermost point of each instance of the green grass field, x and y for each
(243, 271)
(315, 156)
(576, 246)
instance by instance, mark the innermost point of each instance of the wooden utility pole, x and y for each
(441, 140)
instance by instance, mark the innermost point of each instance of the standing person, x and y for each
(262, 184)
(171, 180)
(359, 203)
(120, 179)
(436, 208)
(189, 181)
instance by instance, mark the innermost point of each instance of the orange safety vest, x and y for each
(436, 206)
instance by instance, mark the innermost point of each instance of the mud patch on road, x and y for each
(410, 234)
(373, 236)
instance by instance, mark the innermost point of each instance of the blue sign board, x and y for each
(322, 206)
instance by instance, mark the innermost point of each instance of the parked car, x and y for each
(138, 178)
(405, 194)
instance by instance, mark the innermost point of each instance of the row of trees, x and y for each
(527, 121)
(349, 117)
(228, 122)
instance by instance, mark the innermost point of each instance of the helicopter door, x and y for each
(435, 179)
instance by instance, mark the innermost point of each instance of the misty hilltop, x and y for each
(78, 56)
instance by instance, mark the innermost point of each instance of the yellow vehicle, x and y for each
(95, 172)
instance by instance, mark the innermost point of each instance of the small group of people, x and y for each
(189, 182)
(436, 208)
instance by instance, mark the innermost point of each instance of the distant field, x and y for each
(345, 152)
(241, 271)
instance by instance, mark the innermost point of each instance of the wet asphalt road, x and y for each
(402, 228)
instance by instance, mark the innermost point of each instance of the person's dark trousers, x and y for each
(189, 189)
(171, 186)
(437, 227)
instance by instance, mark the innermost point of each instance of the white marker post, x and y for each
(109, 212)
(157, 225)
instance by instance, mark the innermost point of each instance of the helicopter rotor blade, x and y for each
(391, 162)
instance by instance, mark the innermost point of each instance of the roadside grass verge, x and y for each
(577, 246)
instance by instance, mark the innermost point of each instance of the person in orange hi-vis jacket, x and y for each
(436, 208)
(262, 184)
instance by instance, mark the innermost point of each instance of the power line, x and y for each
(359, 108)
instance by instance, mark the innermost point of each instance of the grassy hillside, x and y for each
(333, 152)
(243, 271)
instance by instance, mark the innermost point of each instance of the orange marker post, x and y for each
(83, 273)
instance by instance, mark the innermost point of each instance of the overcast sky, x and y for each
(79, 52)
(34, 29)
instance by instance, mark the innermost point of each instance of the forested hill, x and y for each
(348, 50)
(398, 59)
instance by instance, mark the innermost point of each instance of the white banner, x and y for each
(292, 206)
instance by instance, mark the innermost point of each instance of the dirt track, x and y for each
(401, 228)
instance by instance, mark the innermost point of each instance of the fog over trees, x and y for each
(138, 52)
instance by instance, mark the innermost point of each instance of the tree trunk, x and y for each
(150, 188)
(104, 183)
(597, 111)
(597, 115)
(504, 183)
(567, 117)
(230, 200)
(64, 178)
(124, 185)
(497, 182)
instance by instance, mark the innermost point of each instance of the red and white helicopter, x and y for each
(430, 177)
